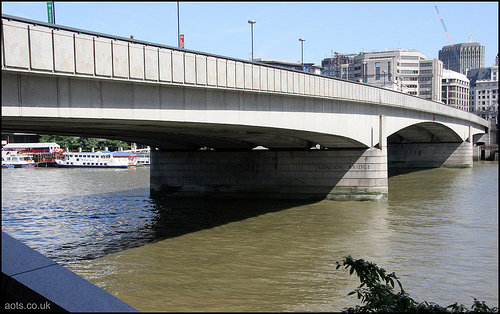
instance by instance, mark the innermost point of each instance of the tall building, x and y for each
(402, 70)
(455, 90)
(484, 92)
(460, 57)
(333, 66)
(484, 103)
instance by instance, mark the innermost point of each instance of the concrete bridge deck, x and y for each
(59, 80)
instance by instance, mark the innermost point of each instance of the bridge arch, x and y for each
(428, 132)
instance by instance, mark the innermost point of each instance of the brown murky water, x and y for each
(438, 232)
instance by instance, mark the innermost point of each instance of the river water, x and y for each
(438, 232)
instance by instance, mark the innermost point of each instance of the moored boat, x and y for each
(100, 159)
(12, 159)
(143, 159)
(43, 154)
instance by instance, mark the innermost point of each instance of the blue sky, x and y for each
(222, 27)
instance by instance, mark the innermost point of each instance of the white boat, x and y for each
(12, 159)
(100, 159)
(143, 159)
(42, 153)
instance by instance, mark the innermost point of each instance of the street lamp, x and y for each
(251, 22)
(383, 72)
(302, 48)
(365, 72)
(178, 27)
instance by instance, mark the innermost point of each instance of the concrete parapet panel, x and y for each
(270, 79)
(64, 52)
(277, 80)
(201, 70)
(120, 59)
(289, 81)
(212, 71)
(165, 64)
(231, 74)
(190, 68)
(263, 78)
(15, 41)
(136, 52)
(151, 66)
(178, 67)
(240, 75)
(301, 83)
(296, 86)
(103, 62)
(255, 77)
(84, 50)
(41, 48)
(221, 73)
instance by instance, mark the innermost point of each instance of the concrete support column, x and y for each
(382, 137)
(348, 174)
(430, 155)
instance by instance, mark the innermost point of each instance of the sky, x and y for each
(222, 28)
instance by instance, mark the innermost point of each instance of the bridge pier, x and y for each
(430, 155)
(346, 174)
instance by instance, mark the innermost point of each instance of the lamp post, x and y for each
(178, 27)
(251, 22)
(383, 72)
(365, 72)
(302, 49)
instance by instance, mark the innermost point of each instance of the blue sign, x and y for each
(304, 68)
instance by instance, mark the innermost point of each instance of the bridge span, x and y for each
(209, 117)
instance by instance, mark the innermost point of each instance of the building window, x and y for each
(377, 71)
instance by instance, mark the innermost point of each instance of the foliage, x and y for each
(86, 143)
(377, 293)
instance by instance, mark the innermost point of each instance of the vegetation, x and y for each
(86, 143)
(377, 293)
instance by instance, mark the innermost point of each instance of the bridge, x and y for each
(220, 126)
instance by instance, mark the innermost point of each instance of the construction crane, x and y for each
(442, 22)
(449, 38)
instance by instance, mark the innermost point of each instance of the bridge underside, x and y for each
(179, 135)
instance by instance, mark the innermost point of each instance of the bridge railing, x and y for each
(34, 46)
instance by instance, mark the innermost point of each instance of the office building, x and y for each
(484, 92)
(403, 70)
(455, 90)
(333, 66)
(460, 57)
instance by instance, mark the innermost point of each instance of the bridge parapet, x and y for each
(37, 47)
